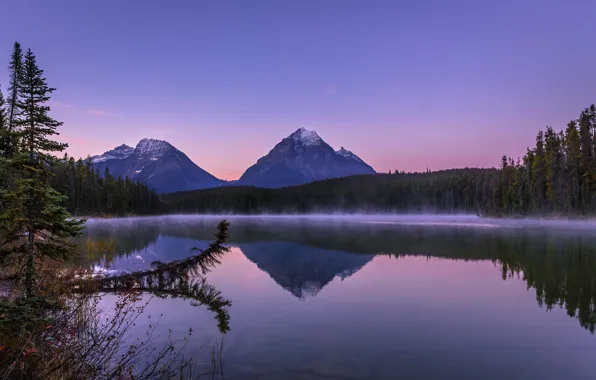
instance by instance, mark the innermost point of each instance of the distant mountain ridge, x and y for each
(300, 158)
(158, 164)
(118, 153)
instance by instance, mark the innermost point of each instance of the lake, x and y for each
(380, 297)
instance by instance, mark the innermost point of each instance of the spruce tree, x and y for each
(539, 174)
(573, 156)
(553, 168)
(3, 121)
(3, 125)
(16, 72)
(38, 226)
(4, 173)
(585, 161)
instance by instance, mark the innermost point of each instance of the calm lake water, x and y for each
(382, 297)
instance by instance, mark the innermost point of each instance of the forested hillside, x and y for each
(46, 302)
(556, 176)
(459, 190)
(90, 193)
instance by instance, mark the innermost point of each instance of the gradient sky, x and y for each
(404, 84)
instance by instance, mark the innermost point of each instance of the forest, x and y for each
(43, 191)
(51, 323)
(86, 192)
(444, 191)
(90, 193)
(557, 176)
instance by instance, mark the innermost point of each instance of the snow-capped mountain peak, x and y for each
(151, 147)
(348, 154)
(300, 158)
(306, 137)
(118, 153)
(158, 164)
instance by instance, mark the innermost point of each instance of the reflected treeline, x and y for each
(177, 279)
(562, 270)
(559, 265)
(115, 239)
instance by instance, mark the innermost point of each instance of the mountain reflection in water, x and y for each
(320, 299)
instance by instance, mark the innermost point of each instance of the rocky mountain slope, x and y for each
(157, 163)
(300, 158)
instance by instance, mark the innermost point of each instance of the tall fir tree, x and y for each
(3, 121)
(573, 156)
(586, 161)
(38, 226)
(3, 125)
(539, 174)
(16, 72)
(553, 166)
(4, 172)
(590, 115)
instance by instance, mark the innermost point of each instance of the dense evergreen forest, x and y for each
(86, 191)
(50, 323)
(90, 193)
(556, 176)
(444, 191)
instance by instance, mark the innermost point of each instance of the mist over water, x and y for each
(382, 296)
(455, 220)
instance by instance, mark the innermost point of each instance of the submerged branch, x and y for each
(205, 260)
(177, 279)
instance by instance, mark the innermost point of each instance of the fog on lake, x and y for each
(379, 296)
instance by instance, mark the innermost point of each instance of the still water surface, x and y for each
(382, 298)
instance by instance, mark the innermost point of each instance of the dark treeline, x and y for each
(557, 176)
(457, 190)
(90, 193)
(24, 157)
(50, 323)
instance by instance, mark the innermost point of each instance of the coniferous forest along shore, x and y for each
(51, 323)
(556, 177)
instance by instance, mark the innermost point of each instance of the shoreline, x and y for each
(470, 220)
(355, 214)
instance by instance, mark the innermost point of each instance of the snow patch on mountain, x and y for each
(306, 137)
(151, 147)
(118, 153)
(300, 158)
(346, 153)
(158, 164)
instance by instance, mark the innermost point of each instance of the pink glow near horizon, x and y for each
(404, 85)
(228, 158)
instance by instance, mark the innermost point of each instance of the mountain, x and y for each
(300, 269)
(300, 158)
(118, 153)
(158, 164)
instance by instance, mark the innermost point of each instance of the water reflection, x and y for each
(172, 278)
(304, 256)
(300, 269)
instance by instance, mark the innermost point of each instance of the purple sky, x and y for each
(404, 84)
